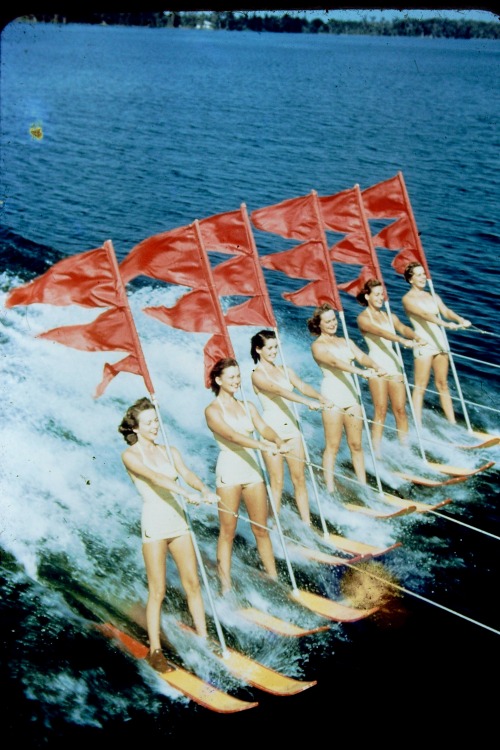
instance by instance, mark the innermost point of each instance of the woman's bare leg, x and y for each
(182, 550)
(228, 508)
(155, 558)
(255, 499)
(333, 424)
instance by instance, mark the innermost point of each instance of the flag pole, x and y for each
(149, 386)
(431, 286)
(267, 302)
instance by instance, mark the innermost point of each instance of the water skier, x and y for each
(164, 526)
(238, 475)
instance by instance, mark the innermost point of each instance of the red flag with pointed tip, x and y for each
(217, 347)
(306, 261)
(355, 286)
(353, 249)
(296, 218)
(86, 279)
(385, 200)
(226, 233)
(128, 364)
(402, 259)
(193, 312)
(341, 212)
(313, 295)
(172, 256)
(236, 276)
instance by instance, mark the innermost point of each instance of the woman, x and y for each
(274, 389)
(379, 334)
(237, 472)
(424, 311)
(335, 355)
(163, 522)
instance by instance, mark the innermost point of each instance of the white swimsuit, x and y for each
(235, 463)
(430, 332)
(276, 412)
(162, 514)
(338, 385)
(381, 350)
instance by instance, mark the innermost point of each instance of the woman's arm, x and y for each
(263, 383)
(218, 425)
(363, 358)
(413, 307)
(192, 479)
(323, 356)
(134, 463)
(447, 312)
(366, 325)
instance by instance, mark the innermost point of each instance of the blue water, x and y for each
(146, 130)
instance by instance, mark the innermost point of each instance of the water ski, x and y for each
(360, 548)
(185, 682)
(275, 624)
(486, 440)
(256, 674)
(418, 506)
(373, 513)
(329, 608)
(457, 475)
(316, 555)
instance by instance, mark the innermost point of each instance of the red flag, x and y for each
(313, 295)
(403, 258)
(109, 332)
(226, 233)
(86, 279)
(172, 256)
(306, 261)
(356, 285)
(217, 347)
(341, 212)
(396, 236)
(296, 218)
(253, 312)
(353, 250)
(237, 276)
(128, 364)
(194, 312)
(385, 200)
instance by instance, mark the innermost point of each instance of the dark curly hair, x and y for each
(367, 288)
(218, 369)
(130, 421)
(314, 321)
(258, 341)
(408, 272)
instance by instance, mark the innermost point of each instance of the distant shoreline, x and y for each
(285, 23)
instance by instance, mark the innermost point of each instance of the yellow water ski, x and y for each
(360, 548)
(486, 441)
(329, 608)
(185, 682)
(402, 511)
(256, 674)
(419, 507)
(275, 624)
(458, 474)
(316, 555)
(459, 471)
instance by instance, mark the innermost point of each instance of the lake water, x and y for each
(145, 130)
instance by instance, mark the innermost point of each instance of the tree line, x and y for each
(285, 23)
